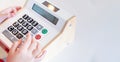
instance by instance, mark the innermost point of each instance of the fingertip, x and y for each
(28, 34)
(38, 45)
(33, 38)
(17, 42)
(20, 40)
(18, 8)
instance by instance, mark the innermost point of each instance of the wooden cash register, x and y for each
(55, 45)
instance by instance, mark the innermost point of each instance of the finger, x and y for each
(41, 56)
(33, 45)
(5, 11)
(18, 8)
(37, 51)
(11, 15)
(15, 46)
(28, 41)
(13, 10)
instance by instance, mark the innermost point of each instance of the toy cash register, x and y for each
(49, 24)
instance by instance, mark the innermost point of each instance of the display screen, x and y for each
(45, 14)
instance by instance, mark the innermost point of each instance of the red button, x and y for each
(38, 36)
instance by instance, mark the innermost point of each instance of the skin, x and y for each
(27, 52)
(10, 12)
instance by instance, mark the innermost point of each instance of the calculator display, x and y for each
(45, 14)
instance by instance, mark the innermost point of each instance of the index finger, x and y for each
(27, 41)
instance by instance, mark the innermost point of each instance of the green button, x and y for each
(44, 31)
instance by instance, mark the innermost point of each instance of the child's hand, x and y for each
(10, 12)
(27, 52)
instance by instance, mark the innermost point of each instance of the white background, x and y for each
(97, 32)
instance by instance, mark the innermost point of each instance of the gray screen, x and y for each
(45, 14)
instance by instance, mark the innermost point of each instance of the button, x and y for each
(39, 27)
(10, 28)
(38, 36)
(34, 31)
(24, 23)
(19, 35)
(25, 16)
(15, 24)
(34, 23)
(29, 20)
(20, 20)
(19, 27)
(9, 35)
(29, 27)
(24, 31)
(14, 31)
(44, 31)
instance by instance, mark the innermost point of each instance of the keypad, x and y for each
(22, 26)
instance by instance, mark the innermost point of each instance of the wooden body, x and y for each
(64, 38)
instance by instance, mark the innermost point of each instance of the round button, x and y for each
(44, 31)
(38, 36)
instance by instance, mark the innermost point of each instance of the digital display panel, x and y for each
(45, 14)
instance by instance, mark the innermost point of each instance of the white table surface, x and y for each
(97, 33)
